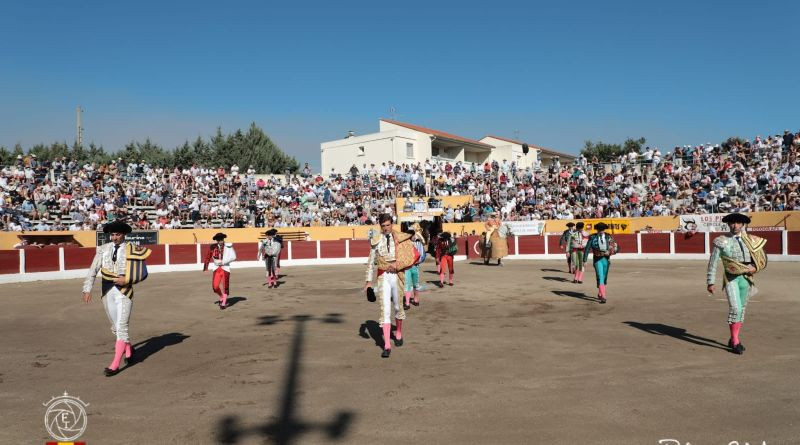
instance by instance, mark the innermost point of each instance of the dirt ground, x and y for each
(509, 355)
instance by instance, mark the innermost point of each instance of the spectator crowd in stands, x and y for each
(736, 176)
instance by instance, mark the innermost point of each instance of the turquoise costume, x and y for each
(602, 246)
(734, 251)
(412, 273)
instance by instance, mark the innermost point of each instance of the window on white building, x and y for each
(410, 150)
(361, 151)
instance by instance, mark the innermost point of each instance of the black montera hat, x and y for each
(371, 295)
(570, 224)
(600, 226)
(272, 232)
(219, 236)
(117, 227)
(736, 218)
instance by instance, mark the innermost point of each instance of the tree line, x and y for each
(252, 147)
(611, 152)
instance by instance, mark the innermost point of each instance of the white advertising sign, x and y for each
(711, 222)
(520, 228)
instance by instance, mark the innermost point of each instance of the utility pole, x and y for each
(79, 138)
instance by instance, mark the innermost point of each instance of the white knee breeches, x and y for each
(390, 298)
(118, 308)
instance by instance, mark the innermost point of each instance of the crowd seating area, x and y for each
(757, 175)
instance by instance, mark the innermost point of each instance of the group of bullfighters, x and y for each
(392, 275)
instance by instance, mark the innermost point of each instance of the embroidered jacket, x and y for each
(744, 249)
(226, 254)
(129, 263)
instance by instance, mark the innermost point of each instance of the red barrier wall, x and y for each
(529, 245)
(246, 251)
(467, 246)
(157, 257)
(46, 260)
(78, 257)
(552, 244)
(774, 241)
(794, 243)
(9, 261)
(183, 254)
(626, 243)
(41, 260)
(655, 242)
(304, 250)
(332, 249)
(512, 248)
(685, 243)
(359, 248)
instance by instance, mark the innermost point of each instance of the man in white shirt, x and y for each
(121, 266)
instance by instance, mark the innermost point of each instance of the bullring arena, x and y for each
(513, 354)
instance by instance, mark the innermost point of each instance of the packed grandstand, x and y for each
(737, 176)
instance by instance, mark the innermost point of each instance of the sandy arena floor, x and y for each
(510, 355)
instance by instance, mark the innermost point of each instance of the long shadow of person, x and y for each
(371, 329)
(675, 332)
(573, 294)
(562, 279)
(146, 348)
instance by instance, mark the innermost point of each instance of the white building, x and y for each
(404, 143)
(511, 150)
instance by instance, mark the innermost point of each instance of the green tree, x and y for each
(78, 154)
(183, 156)
(611, 152)
(97, 154)
(17, 152)
(257, 149)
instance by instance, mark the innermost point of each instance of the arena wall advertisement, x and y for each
(615, 225)
(711, 222)
(520, 228)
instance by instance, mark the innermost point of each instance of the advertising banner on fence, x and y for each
(137, 237)
(520, 228)
(615, 225)
(711, 222)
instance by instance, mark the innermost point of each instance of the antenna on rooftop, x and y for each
(79, 135)
(393, 113)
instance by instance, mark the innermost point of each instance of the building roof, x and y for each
(438, 133)
(545, 150)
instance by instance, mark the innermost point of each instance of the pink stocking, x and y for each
(128, 350)
(416, 296)
(603, 290)
(408, 297)
(387, 332)
(119, 349)
(735, 332)
(398, 333)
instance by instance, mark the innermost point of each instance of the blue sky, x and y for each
(675, 72)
